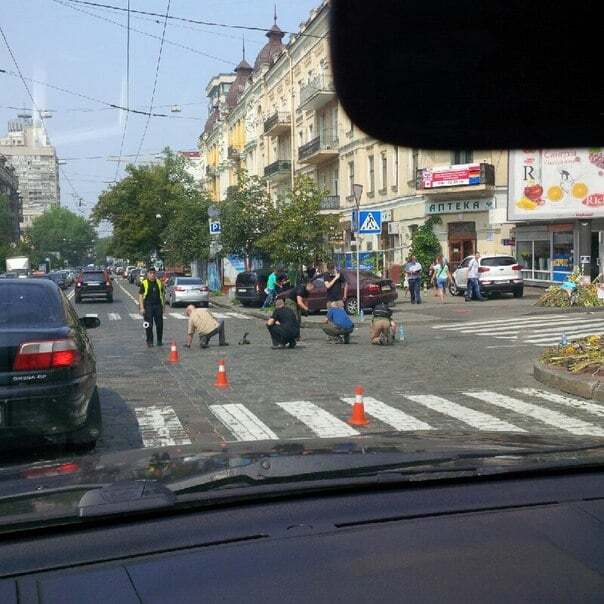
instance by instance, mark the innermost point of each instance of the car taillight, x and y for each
(44, 471)
(179, 289)
(107, 283)
(204, 288)
(484, 269)
(517, 267)
(373, 288)
(51, 354)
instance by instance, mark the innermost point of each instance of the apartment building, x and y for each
(9, 188)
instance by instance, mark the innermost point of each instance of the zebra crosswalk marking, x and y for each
(242, 422)
(237, 315)
(135, 316)
(160, 427)
(547, 416)
(321, 422)
(551, 326)
(567, 401)
(495, 322)
(395, 418)
(549, 340)
(473, 418)
(177, 315)
(114, 316)
(219, 315)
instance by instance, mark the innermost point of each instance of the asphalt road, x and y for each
(464, 367)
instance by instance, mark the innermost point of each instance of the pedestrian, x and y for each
(383, 328)
(283, 326)
(337, 287)
(297, 299)
(473, 285)
(311, 271)
(202, 321)
(441, 276)
(338, 325)
(151, 298)
(282, 282)
(271, 289)
(413, 270)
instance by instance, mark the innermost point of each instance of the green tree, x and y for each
(245, 217)
(299, 231)
(60, 230)
(141, 205)
(103, 247)
(5, 231)
(187, 235)
(425, 245)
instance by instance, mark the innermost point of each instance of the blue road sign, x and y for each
(215, 228)
(370, 221)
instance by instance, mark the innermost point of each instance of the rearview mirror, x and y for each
(90, 322)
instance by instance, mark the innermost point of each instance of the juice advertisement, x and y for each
(556, 183)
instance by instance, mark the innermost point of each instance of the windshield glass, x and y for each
(242, 272)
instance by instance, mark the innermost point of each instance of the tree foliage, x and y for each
(245, 217)
(60, 230)
(142, 205)
(5, 230)
(425, 245)
(299, 231)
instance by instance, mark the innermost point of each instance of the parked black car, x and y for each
(250, 286)
(93, 284)
(48, 386)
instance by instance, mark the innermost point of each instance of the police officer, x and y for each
(151, 296)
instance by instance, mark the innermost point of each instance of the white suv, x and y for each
(497, 273)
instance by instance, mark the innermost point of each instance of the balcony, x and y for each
(320, 149)
(211, 171)
(278, 170)
(317, 93)
(278, 124)
(330, 202)
(233, 153)
(458, 181)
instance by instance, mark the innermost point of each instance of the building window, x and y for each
(414, 163)
(396, 166)
(371, 168)
(462, 156)
(384, 171)
(334, 182)
(351, 177)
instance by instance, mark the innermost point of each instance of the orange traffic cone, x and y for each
(358, 417)
(222, 381)
(173, 357)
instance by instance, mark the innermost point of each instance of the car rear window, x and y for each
(246, 279)
(26, 305)
(499, 261)
(189, 281)
(97, 276)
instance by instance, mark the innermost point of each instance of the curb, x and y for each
(588, 388)
(546, 310)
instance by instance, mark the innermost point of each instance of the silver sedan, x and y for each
(187, 290)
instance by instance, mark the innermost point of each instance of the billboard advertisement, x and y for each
(556, 183)
(450, 176)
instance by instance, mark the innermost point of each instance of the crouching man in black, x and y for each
(283, 326)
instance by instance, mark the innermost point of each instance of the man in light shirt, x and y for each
(206, 325)
(473, 286)
(413, 270)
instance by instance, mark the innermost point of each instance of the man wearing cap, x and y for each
(151, 296)
(202, 321)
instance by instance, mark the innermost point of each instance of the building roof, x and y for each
(243, 71)
(272, 49)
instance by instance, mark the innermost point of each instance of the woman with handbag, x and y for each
(441, 276)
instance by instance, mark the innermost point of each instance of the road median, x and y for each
(585, 386)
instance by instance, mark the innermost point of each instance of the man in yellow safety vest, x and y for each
(151, 297)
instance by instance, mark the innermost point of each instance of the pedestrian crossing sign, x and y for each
(370, 221)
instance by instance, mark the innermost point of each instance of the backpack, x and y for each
(382, 311)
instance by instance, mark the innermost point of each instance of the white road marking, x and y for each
(551, 326)
(494, 323)
(218, 315)
(136, 316)
(128, 294)
(396, 418)
(569, 328)
(242, 422)
(71, 294)
(546, 341)
(237, 315)
(552, 418)
(113, 316)
(160, 427)
(508, 345)
(322, 423)
(567, 401)
(473, 418)
(177, 315)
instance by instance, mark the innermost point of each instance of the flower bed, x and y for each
(581, 356)
(573, 292)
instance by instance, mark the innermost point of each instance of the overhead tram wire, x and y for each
(158, 63)
(33, 102)
(93, 99)
(144, 33)
(119, 161)
(188, 20)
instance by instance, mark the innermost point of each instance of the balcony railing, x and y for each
(318, 149)
(233, 153)
(278, 123)
(330, 202)
(318, 92)
(280, 167)
(463, 178)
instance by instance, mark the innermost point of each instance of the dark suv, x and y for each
(93, 284)
(47, 368)
(250, 286)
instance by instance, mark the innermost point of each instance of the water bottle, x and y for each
(361, 315)
(563, 340)
(401, 334)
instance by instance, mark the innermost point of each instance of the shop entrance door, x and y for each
(462, 242)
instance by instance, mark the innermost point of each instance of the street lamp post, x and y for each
(357, 191)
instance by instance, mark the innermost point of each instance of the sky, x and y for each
(64, 44)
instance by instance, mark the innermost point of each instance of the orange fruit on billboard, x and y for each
(555, 193)
(579, 190)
